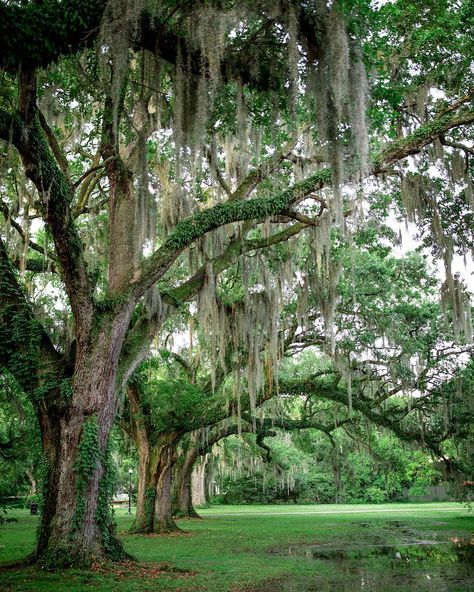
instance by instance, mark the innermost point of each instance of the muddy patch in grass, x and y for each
(390, 558)
(131, 569)
(359, 579)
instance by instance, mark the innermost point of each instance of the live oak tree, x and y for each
(179, 395)
(361, 464)
(161, 408)
(78, 395)
(354, 458)
(395, 303)
(249, 122)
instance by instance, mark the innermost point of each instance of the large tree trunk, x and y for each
(77, 527)
(199, 496)
(156, 458)
(163, 502)
(76, 523)
(154, 507)
(184, 503)
(75, 415)
(146, 494)
(147, 462)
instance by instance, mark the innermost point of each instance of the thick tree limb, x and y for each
(188, 230)
(37, 34)
(361, 404)
(55, 147)
(413, 143)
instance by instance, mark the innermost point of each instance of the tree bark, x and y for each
(144, 517)
(156, 459)
(75, 415)
(163, 502)
(154, 507)
(76, 525)
(184, 503)
(199, 488)
(147, 461)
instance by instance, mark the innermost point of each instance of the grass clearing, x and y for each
(287, 548)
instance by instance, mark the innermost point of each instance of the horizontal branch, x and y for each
(362, 404)
(188, 230)
(192, 228)
(413, 143)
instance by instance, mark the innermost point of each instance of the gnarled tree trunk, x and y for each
(184, 503)
(156, 458)
(76, 525)
(163, 502)
(154, 501)
(75, 414)
(147, 462)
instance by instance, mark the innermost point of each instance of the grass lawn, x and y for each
(321, 548)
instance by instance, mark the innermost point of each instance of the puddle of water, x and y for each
(357, 579)
(415, 549)
(393, 540)
(373, 565)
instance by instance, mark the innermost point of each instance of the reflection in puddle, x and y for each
(454, 578)
(332, 551)
(408, 566)
(405, 551)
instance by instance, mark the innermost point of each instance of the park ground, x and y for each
(324, 548)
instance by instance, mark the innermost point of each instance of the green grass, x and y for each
(334, 508)
(241, 547)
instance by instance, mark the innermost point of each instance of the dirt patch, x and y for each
(161, 535)
(131, 569)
